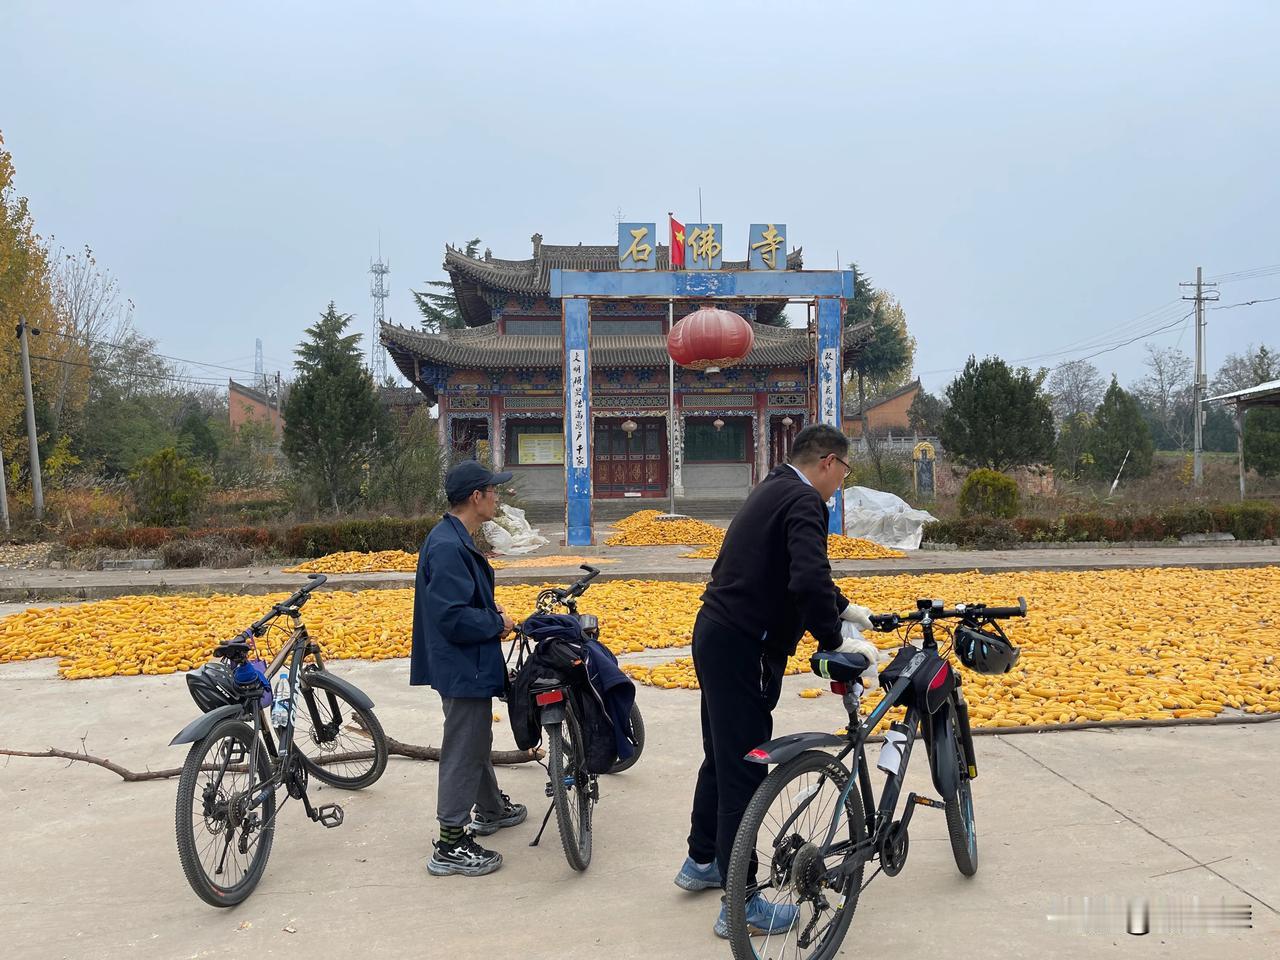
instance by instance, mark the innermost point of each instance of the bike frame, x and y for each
(879, 816)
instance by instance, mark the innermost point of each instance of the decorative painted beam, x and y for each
(681, 284)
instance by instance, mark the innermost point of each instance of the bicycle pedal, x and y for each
(927, 802)
(329, 815)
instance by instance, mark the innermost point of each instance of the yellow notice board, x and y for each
(537, 448)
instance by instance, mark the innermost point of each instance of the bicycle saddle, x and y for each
(841, 667)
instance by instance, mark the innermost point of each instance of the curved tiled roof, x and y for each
(532, 277)
(484, 348)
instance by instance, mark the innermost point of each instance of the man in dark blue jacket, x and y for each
(458, 628)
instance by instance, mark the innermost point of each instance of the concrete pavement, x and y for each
(90, 868)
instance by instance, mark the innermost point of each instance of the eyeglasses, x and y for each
(847, 469)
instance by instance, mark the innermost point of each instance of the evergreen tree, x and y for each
(1119, 429)
(334, 425)
(440, 310)
(998, 417)
(1262, 440)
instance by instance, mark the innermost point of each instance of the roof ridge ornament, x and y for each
(537, 245)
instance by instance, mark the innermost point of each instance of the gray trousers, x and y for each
(466, 774)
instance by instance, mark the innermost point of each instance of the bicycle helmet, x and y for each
(213, 686)
(985, 651)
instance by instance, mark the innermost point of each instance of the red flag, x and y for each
(677, 243)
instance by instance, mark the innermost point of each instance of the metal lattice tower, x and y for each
(378, 290)
(259, 378)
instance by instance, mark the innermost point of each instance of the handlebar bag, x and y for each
(931, 683)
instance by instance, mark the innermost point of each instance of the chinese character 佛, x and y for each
(638, 251)
(702, 242)
(768, 245)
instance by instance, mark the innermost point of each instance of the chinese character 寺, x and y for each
(703, 244)
(768, 245)
(638, 251)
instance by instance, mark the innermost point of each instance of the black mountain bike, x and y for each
(808, 834)
(572, 788)
(226, 805)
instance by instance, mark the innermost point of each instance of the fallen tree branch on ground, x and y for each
(395, 748)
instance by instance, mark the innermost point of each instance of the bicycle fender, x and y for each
(199, 728)
(323, 680)
(782, 749)
(942, 753)
(552, 713)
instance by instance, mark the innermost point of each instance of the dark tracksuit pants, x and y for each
(740, 685)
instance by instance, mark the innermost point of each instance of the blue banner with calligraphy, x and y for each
(767, 247)
(637, 246)
(703, 246)
(830, 379)
(577, 423)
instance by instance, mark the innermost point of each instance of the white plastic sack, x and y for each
(509, 533)
(883, 518)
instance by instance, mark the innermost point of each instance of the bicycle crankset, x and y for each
(893, 849)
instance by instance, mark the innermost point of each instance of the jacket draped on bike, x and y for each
(456, 628)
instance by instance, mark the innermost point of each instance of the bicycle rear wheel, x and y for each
(224, 839)
(330, 726)
(571, 789)
(786, 859)
(960, 822)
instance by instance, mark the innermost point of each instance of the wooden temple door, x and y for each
(630, 463)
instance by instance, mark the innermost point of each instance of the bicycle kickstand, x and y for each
(545, 821)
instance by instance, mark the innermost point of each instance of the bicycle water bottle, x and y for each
(891, 752)
(282, 702)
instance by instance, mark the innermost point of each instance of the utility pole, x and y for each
(1199, 388)
(37, 488)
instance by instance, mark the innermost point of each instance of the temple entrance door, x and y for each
(630, 464)
(781, 436)
(470, 438)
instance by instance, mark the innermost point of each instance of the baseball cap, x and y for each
(469, 476)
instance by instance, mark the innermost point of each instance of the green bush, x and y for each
(983, 533)
(383, 533)
(987, 493)
(168, 489)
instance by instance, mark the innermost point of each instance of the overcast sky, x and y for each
(1026, 178)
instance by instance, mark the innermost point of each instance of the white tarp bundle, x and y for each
(883, 518)
(509, 533)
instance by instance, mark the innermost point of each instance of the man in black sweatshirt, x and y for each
(770, 584)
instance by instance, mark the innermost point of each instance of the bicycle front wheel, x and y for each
(225, 815)
(571, 789)
(780, 853)
(342, 744)
(960, 822)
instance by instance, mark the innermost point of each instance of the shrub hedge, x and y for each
(1244, 521)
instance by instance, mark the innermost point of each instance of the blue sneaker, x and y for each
(694, 878)
(763, 917)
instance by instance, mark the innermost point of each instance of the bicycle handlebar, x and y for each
(934, 610)
(579, 586)
(299, 597)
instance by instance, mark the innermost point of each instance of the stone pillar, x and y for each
(829, 364)
(762, 436)
(577, 421)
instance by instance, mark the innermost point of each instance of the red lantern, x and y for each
(710, 338)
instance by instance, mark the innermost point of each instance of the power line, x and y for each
(162, 356)
(1244, 303)
(193, 381)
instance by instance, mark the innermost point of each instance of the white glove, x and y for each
(853, 643)
(860, 617)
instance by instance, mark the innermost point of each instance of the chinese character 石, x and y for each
(703, 245)
(768, 245)
(638, 251)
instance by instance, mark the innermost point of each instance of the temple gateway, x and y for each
(499, 385)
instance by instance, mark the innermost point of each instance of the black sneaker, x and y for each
(482, 824)
(465, 858)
